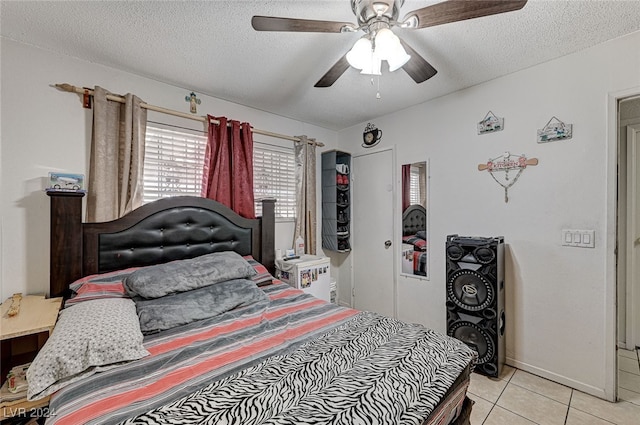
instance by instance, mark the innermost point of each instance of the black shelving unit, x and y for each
(336, 201)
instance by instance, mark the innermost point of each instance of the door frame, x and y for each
(611, 241)
(632, 290)
(394, 214)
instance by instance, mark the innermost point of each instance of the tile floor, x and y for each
(520, 398)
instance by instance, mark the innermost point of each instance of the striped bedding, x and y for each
(419, 244)
(420, 263)
(293, 360)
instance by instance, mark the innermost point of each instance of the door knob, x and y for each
(387, 244)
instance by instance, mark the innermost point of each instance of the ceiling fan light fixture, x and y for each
(360, 54)
(386, 43)
(398, 61)
(373, 67)
(389, 48)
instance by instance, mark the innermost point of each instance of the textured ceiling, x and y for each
(210, 47)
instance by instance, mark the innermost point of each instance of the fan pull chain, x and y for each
(378, 89)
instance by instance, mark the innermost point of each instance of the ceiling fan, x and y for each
(375, 18)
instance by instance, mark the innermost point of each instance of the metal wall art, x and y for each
(507, 164)
(371, 136)
(193, 102)
(555, 130)
(490, 124)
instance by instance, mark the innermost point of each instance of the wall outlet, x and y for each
(579, 238)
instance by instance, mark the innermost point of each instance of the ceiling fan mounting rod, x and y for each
(376, 26)
(367, 10)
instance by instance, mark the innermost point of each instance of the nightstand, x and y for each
(22, 336)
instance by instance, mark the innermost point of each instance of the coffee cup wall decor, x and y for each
(371, 136)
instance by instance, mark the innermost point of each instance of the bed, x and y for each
(282, 357)
(414, 240)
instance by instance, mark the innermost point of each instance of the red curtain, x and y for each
(406, 186)
(228, 165)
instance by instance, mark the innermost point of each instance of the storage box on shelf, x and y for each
(310, 273)
(336, 201)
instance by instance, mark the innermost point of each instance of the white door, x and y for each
(633, 236)
(373, 243)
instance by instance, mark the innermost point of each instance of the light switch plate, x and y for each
(579, 238)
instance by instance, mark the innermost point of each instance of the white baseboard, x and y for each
(560, 379)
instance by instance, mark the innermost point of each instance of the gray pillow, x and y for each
(89, 337)
(173, 310)
(185, 275)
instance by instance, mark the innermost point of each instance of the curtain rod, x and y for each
(80, 90)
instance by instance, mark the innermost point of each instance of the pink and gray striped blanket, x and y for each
(289, 360)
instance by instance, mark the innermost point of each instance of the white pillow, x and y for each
(89, 337)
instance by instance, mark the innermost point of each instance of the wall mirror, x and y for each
(414, 256)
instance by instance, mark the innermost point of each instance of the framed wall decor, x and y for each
(555, 130)
(490, 124)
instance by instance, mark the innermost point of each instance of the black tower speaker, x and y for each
(475, 298)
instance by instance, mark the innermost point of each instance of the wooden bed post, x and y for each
(65, 241)
(267, 238)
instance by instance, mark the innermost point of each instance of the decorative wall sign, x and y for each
(555, 130)
(490, 124)
(507, 163)
(371, 136)
(193, 101)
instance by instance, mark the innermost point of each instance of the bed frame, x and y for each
(165, 230)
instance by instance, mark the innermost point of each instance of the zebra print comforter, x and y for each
(297, 360)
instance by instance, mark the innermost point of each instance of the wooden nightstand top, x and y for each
(37, 314)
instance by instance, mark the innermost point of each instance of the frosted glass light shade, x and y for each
(386, 43)
(373, 67)
(387, 47)
(398, 60)
(360, 54)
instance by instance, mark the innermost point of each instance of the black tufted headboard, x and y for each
(165, 230)
(414, 218)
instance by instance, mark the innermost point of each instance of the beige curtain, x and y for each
(422, 181)
(117, 151)
(305, 156)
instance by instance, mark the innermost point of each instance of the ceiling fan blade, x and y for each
(333, 73)
(272, 23)
(459, 10)
(417, 67)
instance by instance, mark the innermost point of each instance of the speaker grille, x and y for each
(454, 252)
(469, 290)
(484, 254)
(475, 337)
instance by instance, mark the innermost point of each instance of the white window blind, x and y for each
(274, 177)
(174, 160)
(173, 163)
(414, 187)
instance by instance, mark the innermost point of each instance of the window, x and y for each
(174, 160)
(173, 163)
(274, 177)
(414, 186)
